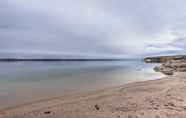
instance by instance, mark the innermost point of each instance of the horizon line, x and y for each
(60, 59)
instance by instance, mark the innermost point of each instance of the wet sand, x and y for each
(161, 98)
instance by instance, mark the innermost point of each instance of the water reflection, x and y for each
(28, 81)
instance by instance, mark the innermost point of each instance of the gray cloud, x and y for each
(112, 28)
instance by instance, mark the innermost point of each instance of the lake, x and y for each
(23, 82)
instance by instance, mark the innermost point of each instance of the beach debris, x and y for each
(97, 107)
(171, 104)
(47, 112)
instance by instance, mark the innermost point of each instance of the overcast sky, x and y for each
(126, 28)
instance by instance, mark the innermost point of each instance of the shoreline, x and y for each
(129, 100)
(159, 98)
(108, 79)
(71, 92)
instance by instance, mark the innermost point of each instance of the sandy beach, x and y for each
(161, 98)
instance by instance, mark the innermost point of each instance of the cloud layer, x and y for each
(125, 28)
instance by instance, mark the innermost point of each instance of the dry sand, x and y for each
(161, 98)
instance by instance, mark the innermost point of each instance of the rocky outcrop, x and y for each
(170, 67)
(169, 64)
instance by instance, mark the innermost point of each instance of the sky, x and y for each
(93, 28)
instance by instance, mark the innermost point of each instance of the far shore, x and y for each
(59, 59)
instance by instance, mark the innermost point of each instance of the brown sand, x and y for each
(161, 98)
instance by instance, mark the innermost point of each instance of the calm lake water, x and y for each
(22, 82)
